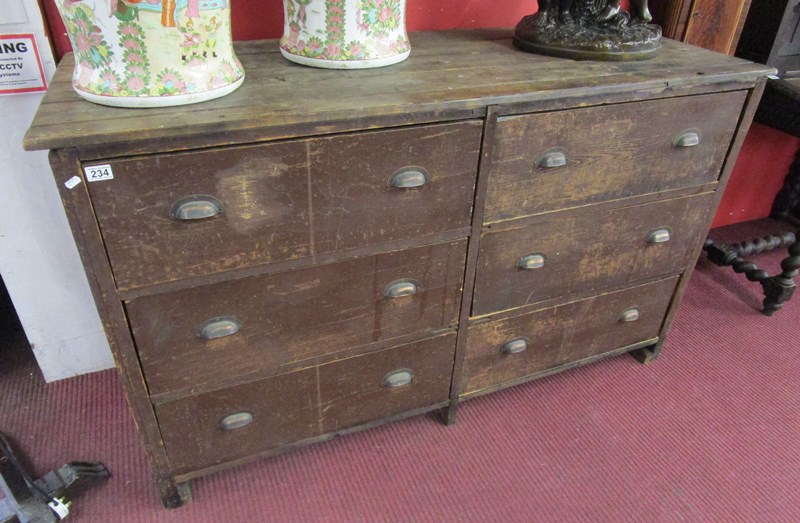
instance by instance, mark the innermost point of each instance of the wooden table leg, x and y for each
(777, 289)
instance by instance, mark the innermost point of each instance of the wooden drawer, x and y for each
(611, 152)
(304, 404)
(564, 334)
(582, 254)
(282, 201)
(270, 322)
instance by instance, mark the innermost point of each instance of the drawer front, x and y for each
(370, 387)
(586, 253)
(505, 350)
(181, 215)
(550, 161)
(216, 332)
(257, 417)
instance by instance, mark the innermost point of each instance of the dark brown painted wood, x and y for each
(286, 231)
(587, 252)
(346, 300)
(188, 476)
(284, 409)
(308, 403)
(283, 201)
(561, 368)
(649, 354)
(353, 390)
(288, 265)
(450, 73)
(80, 216)
(487, 152)
(563, 334)
(255, 375)
(636, 155)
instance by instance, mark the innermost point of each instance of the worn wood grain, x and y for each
(454, 72)
(283, 201)
(649, 354)
(473, 248)
(716, 25)
(353, 392)
(558, 369)
(80, 216)
(346, 301)
(588, 252)
(636, 155)
(304, 404)
(310, 233)
(563, 334)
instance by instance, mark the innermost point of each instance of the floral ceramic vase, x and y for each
(345, 34)
(151, 53)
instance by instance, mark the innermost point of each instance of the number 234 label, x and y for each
(97, 173)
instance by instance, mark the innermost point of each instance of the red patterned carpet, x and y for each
(708, 433)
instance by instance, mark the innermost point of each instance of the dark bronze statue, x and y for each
(589, 30)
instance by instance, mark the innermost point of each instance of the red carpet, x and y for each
(710, 432)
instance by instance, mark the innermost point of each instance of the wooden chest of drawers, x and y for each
(323, 251)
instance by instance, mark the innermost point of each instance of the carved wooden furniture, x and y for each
(324, 251)
(771, 35)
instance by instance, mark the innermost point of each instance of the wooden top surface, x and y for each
(455, 74)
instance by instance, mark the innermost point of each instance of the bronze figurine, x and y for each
(589, 30)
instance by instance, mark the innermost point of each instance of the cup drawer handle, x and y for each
(514, 346)
(688, 138)
(408, 178)
(398, 378)
(552, 159)
(532, 261)
(236, 420)
(629, 315)
(195, 207)
(660, 235)
(219, 328)
(401, 288)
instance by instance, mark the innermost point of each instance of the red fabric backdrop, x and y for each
(759, 172)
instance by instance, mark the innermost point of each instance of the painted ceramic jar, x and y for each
(345, 34)
(151, 53)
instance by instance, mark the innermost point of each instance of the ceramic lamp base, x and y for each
(141, 102)
(346, 64)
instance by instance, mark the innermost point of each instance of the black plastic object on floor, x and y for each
(47, 499)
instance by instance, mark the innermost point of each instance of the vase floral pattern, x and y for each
(345, 33)
(136, 53)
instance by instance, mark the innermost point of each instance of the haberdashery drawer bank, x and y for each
(324, 251)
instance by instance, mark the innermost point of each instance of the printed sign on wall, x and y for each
(21, 68)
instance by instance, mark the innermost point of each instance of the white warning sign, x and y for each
(21, 68)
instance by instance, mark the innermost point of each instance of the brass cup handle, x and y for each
(552, 159)
(401, 288)
(514, 346)
(236, 420)
(688, 138)
(196, 207)
(398, 378)
(629, 315)
(660, 235)
(409, 177)
(532, 261)
(219, 328)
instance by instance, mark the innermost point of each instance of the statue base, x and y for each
(607, 42)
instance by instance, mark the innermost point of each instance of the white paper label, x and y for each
(72, 182)
(97, 173)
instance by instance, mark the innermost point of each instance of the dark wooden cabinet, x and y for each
(323, 251)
